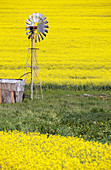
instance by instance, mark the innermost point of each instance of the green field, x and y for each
(85, 114)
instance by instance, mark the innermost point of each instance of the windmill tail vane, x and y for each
(36, 26)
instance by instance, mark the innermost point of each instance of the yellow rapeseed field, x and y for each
(77, 49)
(34, 151)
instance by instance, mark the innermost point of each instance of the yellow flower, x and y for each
(35, 151)
(76, 50)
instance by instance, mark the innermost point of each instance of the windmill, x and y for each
(36, 29)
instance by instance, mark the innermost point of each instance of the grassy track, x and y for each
(62, 112)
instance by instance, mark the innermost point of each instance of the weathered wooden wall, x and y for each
(11, 91)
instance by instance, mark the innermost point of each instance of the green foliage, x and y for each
(85, 87)
(63, 112)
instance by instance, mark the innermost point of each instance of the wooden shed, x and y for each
(11, 90)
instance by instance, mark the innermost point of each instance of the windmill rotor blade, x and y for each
(43, 18)
(33, 14)
(44, 34)
(37, 15)
(41, 15)
(38, 37)
(26, 29)
(30, 18)
(29, 36)
(34, 17)
(46, 26)
(28, 32)
(41, 36)
(37, 20)
(28, 21)
(27, 25)
(45, 22)
(46, 31)
(32, 24)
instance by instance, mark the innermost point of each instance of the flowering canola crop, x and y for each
(36, 151)
(76, 49)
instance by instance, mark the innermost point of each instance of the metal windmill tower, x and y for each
(36, 29)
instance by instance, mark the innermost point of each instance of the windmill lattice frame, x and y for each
(36, 25)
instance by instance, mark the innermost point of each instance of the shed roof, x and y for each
(11, 80)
